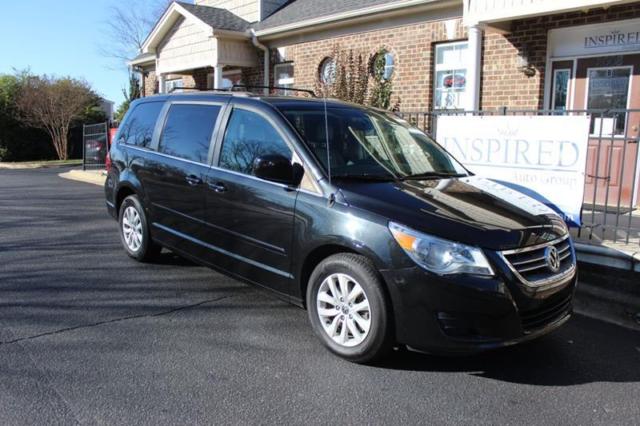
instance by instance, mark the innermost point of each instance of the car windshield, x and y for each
(370, 144)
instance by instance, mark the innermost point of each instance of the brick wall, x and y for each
(503, 84)
(411, 45)
(197, 78)
(150, 84)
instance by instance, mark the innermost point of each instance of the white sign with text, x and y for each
(541, 156)
(595, 39)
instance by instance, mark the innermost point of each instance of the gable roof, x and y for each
(302, 10)
(213, 20)
(220, 19)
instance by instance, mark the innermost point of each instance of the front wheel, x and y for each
(134, 231)
(348, 308)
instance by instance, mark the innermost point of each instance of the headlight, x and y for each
(440, 256)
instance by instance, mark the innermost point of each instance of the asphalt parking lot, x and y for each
(89, 336)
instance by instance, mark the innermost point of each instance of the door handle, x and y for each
(218, 187)
(193, 180)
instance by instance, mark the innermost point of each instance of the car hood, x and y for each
(471, 210)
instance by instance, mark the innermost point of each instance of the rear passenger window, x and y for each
(138, 129)
(249, 136)
(188, 130)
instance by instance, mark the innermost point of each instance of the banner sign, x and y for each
(541, 156)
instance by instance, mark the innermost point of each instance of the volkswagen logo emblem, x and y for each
(552, 258)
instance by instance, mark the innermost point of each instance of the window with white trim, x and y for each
(327, 71)
(450, 79)
(173, 84)
(283, 76)
(608, 90)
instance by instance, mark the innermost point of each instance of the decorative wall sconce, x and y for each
(523, 62)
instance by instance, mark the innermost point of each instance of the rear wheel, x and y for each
(134, 231)
(348, 308)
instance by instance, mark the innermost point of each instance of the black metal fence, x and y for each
(610, 210)
(95, 144)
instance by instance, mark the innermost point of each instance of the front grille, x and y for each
(531, 264)
(545, 314)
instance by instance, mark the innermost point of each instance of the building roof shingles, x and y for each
(217, 18)
(301, 10)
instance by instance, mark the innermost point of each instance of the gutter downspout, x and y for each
(265, 49)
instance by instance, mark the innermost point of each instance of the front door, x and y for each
(250, 219)
(176, 185)
(611, 85)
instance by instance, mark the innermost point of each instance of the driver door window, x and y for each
(248, 137)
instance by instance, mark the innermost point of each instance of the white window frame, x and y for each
(328, 61)
(629, 92)
(283, 81)
(174, 83)
(444, 67)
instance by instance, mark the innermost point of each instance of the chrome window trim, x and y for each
(547, 283)
(173, 157)
(280, 185)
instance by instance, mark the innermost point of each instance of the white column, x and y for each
(474, 67)
(217, 76)
(161, 81)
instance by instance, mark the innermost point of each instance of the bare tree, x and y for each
(128, 26)
(53, 104)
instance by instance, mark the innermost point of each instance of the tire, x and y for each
(134, 231)
(345, 333)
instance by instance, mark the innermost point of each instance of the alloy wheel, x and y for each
(132, 228)
(343, 309)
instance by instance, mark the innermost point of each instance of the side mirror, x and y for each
(277, 168)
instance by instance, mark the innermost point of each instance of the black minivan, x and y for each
(347, 211)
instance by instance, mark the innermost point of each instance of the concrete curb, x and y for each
(609, 285)
(607, 256)
(37, 165)
(612, 306)
(92, 177)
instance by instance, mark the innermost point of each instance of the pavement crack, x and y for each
(115, 320)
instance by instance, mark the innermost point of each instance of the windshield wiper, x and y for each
(433, 175)
(376, 178)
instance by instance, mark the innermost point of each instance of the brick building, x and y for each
(453, 54)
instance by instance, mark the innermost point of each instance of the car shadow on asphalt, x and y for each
(584, 351)
(169, 258)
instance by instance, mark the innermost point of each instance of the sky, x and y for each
(62, 38)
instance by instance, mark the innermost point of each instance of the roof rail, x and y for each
(173, 89)
(226, 91)
(292, 89)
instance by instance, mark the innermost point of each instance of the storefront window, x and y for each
(450, 75)
(560, 89)
(608, 90)
(283, 76)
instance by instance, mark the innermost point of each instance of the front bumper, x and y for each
(466, 314)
